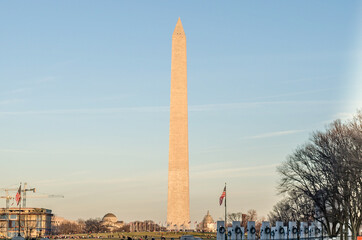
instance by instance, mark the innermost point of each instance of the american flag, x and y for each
(222, 196)
(18, 196)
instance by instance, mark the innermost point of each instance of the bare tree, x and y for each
(235, 217)
(81, 225)
(292, 208)
(328, 172)
(350, 178)
(251, 215)
(67, 227)
(93, 225)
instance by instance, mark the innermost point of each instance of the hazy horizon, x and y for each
(85, 91)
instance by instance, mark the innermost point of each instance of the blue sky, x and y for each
(85, 85)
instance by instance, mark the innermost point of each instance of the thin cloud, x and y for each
(19, 90)
(87, 111)
(240, 105)
(292, 94)
(16, 151)
(29, 85)
(139, 179)
(235, 172)
(153, 109)
(275, 134)
(45, 80)
(310, 79)
(10, 101)
(344, 115)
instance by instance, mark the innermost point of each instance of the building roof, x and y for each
(109, 217)
(208, 218)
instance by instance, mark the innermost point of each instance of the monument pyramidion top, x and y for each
(179, 30)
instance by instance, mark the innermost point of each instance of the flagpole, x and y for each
(226, 226)
(19, 221)
(19, 213)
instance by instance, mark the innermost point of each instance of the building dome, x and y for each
(110, 217)
(207, 224)
(208, 219)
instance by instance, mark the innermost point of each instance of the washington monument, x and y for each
(178, 204)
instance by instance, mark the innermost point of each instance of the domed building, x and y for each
(111, 222)
(207, 224)
(109, 217)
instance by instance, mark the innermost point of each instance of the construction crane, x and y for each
(7, 197)
(23, 192)
(24, 189)
(47, 196)
(24, 195)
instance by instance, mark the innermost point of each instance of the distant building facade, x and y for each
(145, 226)
(207, 224)
(58, 221)
(111, 222)
(34, 222)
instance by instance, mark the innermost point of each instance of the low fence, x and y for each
(205, 238)
(112, 237)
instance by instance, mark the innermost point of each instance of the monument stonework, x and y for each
(178, 204)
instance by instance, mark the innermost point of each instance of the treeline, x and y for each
(244, 218)
(92, 225)
(322, 180)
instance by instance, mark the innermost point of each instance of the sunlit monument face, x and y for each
(178, 205)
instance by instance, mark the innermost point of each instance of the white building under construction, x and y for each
(34, 222)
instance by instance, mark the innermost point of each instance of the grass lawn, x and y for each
(141, 235)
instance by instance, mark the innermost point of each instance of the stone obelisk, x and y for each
(178, 204)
